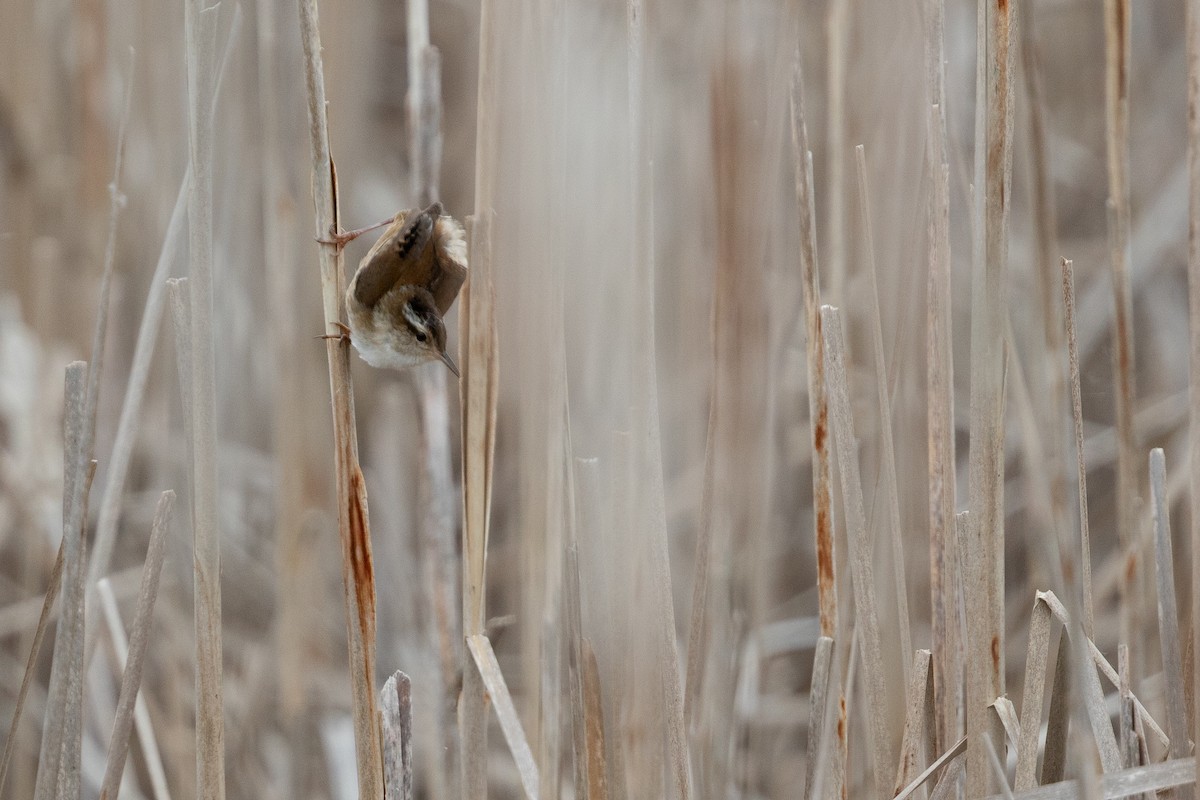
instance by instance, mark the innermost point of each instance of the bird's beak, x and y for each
(449, 363)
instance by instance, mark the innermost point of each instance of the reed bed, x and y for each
(800, 448)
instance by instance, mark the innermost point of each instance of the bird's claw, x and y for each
(340, 239)
(343, 334)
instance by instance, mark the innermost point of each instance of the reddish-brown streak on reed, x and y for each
(824, 547)
(360, 553)
(996, 652)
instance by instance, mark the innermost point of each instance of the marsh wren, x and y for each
(403, 288)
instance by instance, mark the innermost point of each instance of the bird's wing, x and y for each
(450, 252)
(402, 256)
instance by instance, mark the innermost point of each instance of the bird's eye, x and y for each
(421, 337)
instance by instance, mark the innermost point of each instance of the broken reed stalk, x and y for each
(396, 703)
(1085, 542)
(983, 569)
(50, 760)
(62, 773)
(141, 714)
(358, 575)
(818, 403)
(506, 712)
(134, 659)
(200, 33)
(1116, 97)
(1168, 616)
(861, 561)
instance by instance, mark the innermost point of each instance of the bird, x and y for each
(403, 288)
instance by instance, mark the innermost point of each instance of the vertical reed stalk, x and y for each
(1085, 539)
(200, 31)
(478, 387)
(358, 574)
(1116, 102)
(943, 552)
(984, 564)
(1193, 169)
(54, 734)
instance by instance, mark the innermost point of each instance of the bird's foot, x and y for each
(340, 239)
(343, 334)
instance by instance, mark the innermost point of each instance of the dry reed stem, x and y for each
(147, 739)
(818, 709)
(837, 717)
(1124, 783)
(506, 712)
(861, 561)
(1045, 236)
(279, 257)
(597, 749)
(200, 33)
(1126, 735)
(478, 389)
(646, 414)
(945, 758)
(1006, 712)
(479, 394)
(1085, 542)
(131, 677)
(358, 576)
(1192, 18)
(984, 564)
(1033, 687)
(837, 36)
(818, 403)
(1090, 692)
(177, 294)
(1116, 97)
(123, 442)
(1168, 616)
(698, 629)
(997, 768)
(53, 584)
(70, 760)
(116, 203)
(943, 552)
(890, 487)
(947, 785)
(143, 354)
(1054, 758)
(436, 542)
(75, 447)
(64, 768)
(395, 702)
(913, 740)
(423, 101)
(573, 620)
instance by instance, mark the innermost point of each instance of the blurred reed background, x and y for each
(655, 246)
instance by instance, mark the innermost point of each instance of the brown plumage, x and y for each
(403, 288)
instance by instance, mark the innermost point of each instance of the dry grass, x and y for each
(683, 529)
